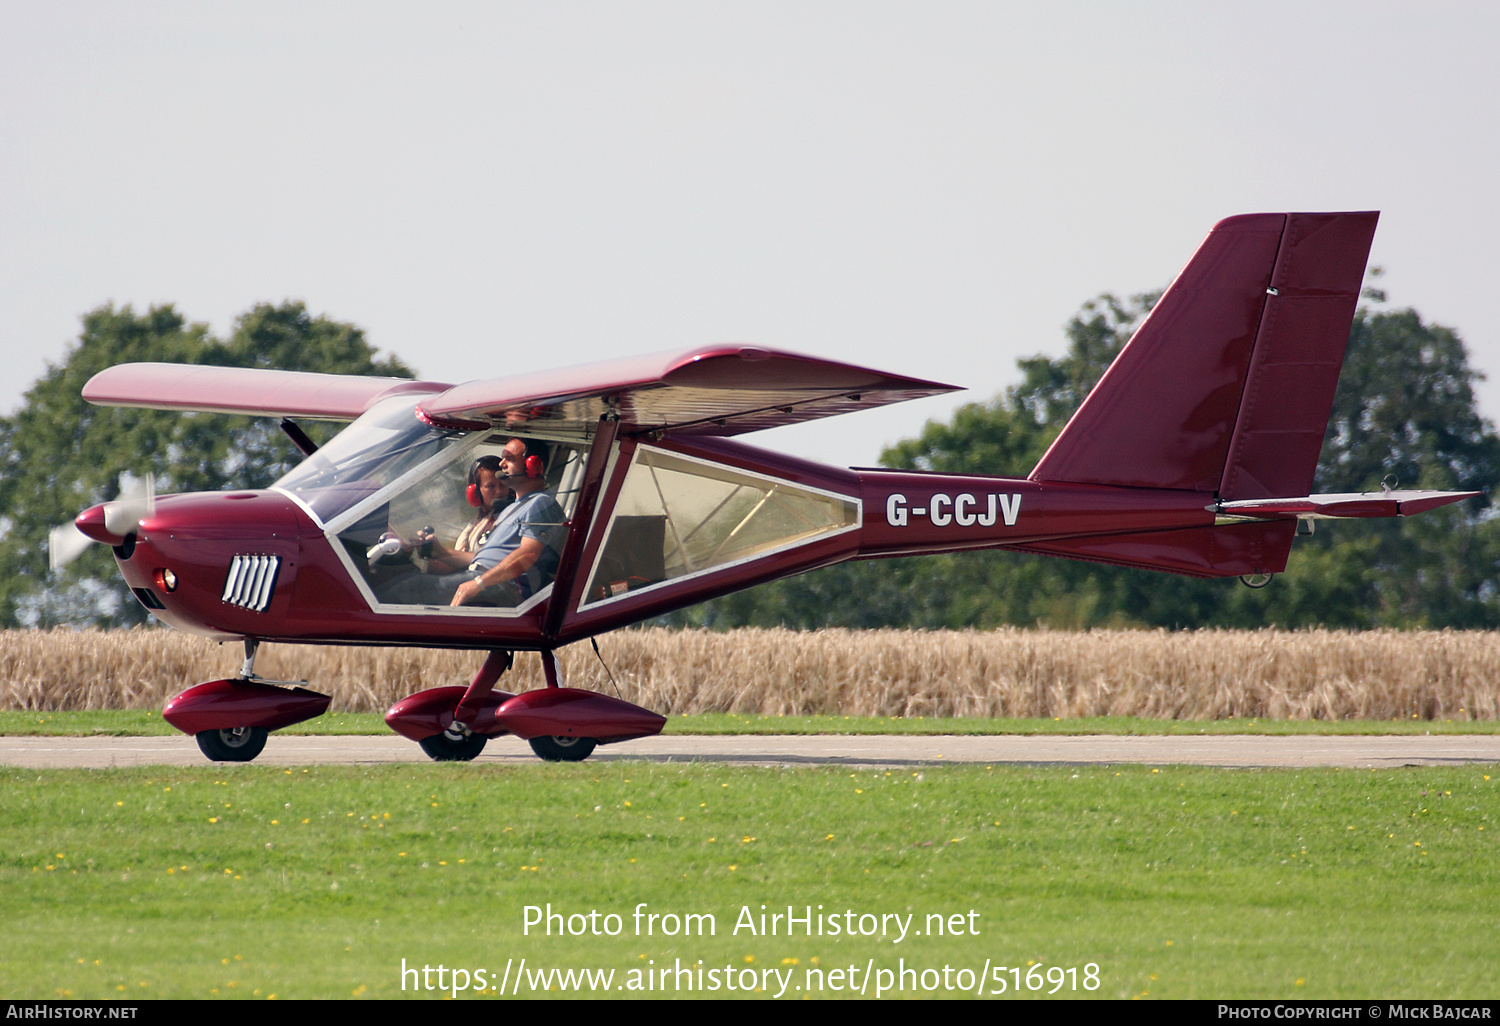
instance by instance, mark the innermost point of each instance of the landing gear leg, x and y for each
(247, 669)
(495, 664)
(559, 748)
(458, 743)
(235, 744)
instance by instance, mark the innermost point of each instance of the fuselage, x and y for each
(653, 525)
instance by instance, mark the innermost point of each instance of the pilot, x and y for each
(521, 555)
(519, 558)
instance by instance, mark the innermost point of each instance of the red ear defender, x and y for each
(533, 466)
(473, 492)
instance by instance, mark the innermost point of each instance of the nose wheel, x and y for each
(236, 744)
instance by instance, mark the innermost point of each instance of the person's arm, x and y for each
(441, 559)
(447, 560)
(508, 569)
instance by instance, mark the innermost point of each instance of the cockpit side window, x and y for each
(454, 519)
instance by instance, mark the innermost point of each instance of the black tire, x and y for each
(240, 744)
(441, 748)
(563, 749)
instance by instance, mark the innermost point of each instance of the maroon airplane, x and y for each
(1194, 455)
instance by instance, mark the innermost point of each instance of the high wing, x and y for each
(256, 393)
(713, 390)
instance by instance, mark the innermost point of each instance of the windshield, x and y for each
(379, 447)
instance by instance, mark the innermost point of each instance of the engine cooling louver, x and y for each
(251, 582)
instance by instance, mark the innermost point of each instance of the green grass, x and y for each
(149, 723)
(253, 881)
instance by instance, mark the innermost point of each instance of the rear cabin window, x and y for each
(678, 516)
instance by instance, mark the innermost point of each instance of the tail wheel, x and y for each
(237, 744)
(442, 748)
(563, 749)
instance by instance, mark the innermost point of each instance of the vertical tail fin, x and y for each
(1228, 384)
(1226, 388)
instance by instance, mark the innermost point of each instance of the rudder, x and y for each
(1299, 351)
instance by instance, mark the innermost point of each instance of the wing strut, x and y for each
(298, 436)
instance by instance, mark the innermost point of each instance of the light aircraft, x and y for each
(1194, 455)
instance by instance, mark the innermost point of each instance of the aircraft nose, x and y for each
(95, 523)
(217, 563)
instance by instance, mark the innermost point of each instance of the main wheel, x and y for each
(563, 749)
(238, 744)
(443, 748)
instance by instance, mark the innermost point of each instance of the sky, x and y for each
(930, 189)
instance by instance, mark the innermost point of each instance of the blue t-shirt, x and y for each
(532, 516)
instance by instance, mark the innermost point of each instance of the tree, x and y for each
(1009, 434)
(1405, 413)
(1405, 409)
(59, 455)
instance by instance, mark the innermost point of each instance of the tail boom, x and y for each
(911, 513)
(1182, 532)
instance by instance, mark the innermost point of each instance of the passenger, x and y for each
(520, 556)
(486, 491)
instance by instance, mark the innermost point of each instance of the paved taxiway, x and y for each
(754, 750)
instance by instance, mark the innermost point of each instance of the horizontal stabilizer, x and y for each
(1343, 505)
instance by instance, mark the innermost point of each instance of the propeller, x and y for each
(65, 543)
(136, 501)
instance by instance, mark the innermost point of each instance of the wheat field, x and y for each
(1186, 675)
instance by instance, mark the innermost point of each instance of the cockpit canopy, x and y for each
(391, 479)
